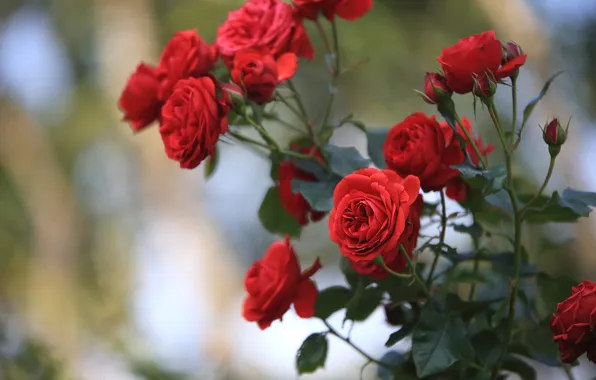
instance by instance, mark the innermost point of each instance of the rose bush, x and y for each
(460, 323)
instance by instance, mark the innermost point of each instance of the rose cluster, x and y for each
(259, 44)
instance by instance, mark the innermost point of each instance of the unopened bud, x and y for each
(436, 89)
(511, 50)
(236, 95)
(484, 87)
(555, 136)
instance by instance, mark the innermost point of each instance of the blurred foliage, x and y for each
(402, 39)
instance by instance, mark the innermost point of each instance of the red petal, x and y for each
(507, 69)
(287, 64)
(353, 9)
(305, 300)
(312, 270)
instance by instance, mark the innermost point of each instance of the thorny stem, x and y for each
(551, 166)
(323, 35)
(332, 331)
(475, 269)
(568, 371)
(517, 244)
(514, 107)
(334, 74)
(471, 141)
(441, 238)
(414, 273)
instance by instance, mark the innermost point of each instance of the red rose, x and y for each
(186, 55)
(193, 118)
(269, 25)
(260, 73)
(275, 282)
(476, 57)
(436, 89)
(417, 146)
(139, 98)
(457, 189)
(295, 204)
(347, 9)
(574, 322)
(395, 259)
(370, 209)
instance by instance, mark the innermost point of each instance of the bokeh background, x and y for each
(116, 264)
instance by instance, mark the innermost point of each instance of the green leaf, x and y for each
(520, 367)
(467, 309)
(364, 303)
(487, 346)
(318, 194)
(352, 278)
(536, 343)
(461, 275)
(565, 207)
(490, 180)
(274, 218)
(475, 230)
(331, 300)
(211, 164)
(438, 342)
(376, 139)
(553, 290)
(312, 353)
(400, 334)
(530, 106)
(344, 161)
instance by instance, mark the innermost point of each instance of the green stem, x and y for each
(246, 139)
(391, 271)
(475, 268)
(517, 243)
(441, 238)
(323, 35)
(349, 342)
(291, 153)
(334, 74)
(336, 47)
(414, 273)
(288, 125)
(568, 371)
(298, 101)
(551, 166)
(495, 118)
(471, 141)
(264, 134)
(514, 107)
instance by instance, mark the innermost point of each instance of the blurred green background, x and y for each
(121, 264)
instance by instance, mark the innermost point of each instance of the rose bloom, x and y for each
(476, 57)
(274, 283)
(295, 204)
(260, 73)
(370, 209)
(417, 146)
(574, 322)
(395, 260)
(268, 25)
(457, 189)
(139, 98)
(185, 55)
(347, 9)
(193, 118)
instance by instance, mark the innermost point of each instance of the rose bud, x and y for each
(484, 87)
(554, 135)
(511, 51)
(436, 89)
